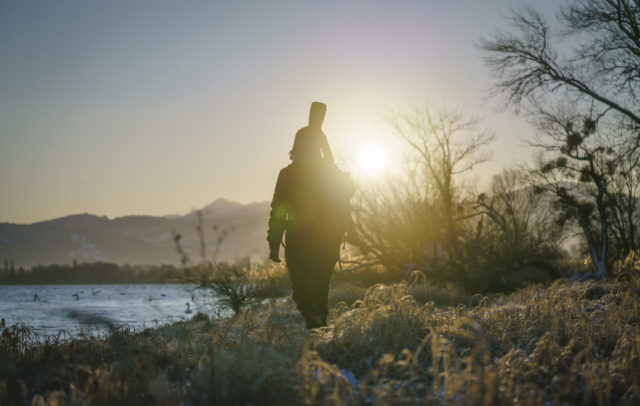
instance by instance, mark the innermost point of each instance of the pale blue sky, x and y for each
(156, 107)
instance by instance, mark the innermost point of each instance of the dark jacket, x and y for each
(310, 203)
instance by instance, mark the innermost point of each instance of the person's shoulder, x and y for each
(287, 170)
(305, 131)
(302, 130)
(311, 131)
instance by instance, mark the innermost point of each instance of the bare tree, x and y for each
(519, 222)
(602, 71)
(579, 175)
(445, 145)
(396, 221)
(594, 178)
(584, 101)
(410, 219)
(625, 185)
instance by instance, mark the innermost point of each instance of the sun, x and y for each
(372, 159)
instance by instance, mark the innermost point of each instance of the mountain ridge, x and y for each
(136, 239)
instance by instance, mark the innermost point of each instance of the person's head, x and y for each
(316, 114)
(306, 146)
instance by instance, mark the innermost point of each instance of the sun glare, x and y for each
(372, 159)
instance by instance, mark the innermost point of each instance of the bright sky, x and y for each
(157, 107)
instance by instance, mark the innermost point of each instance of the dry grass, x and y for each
(567, 343)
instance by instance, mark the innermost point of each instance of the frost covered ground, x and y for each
(565, 343)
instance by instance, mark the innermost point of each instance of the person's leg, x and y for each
(301, 285)
(323, 293)
(310, 261)
(298, 288)
(321, 279)
(310, 285)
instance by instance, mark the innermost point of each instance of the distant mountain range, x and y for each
(144, 240)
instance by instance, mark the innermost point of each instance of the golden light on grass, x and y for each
(372, 160)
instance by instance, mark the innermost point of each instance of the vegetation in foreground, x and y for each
(565, 343)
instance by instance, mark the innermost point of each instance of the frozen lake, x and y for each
(92, 308)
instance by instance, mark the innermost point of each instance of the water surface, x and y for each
(91, 308)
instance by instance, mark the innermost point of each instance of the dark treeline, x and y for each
(92, 273)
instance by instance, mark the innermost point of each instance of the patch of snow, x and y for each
(84, 248)
(349, 377)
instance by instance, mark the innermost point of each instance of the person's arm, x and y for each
(277, 218)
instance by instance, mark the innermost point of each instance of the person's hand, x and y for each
(274, 256)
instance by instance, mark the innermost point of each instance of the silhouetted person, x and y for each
(36, 298)
(310, 203)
